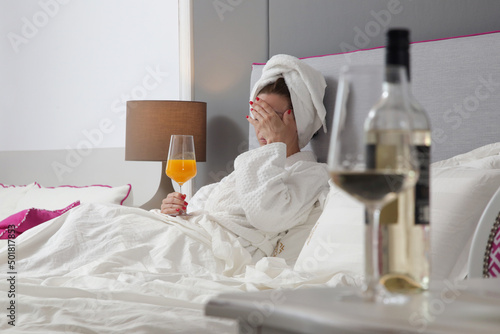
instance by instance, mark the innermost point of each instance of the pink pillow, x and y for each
(26, 219)
(494, 258)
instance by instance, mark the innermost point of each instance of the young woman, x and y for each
(272, 188)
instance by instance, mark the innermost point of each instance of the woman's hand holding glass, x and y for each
(174, 204)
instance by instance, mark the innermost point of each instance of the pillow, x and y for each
(461, 187)
(459, 195)
(53, 198)
(9, 197)
(27, 219)
(489, 150)
(290, 245)
(336, 242)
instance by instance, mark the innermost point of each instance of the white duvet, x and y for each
(107, 269)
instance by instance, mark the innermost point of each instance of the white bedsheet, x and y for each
(107, 268)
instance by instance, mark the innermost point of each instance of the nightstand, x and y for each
(471, 306)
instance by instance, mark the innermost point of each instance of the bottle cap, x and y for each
(398, 38)
(397, 49)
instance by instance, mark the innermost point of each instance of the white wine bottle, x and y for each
(388, 131)
(404, 223)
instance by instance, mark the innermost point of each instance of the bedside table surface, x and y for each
(471, 306)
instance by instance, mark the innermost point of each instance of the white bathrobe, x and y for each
(265, 195)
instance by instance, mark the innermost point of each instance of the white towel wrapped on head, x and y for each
(307, 89)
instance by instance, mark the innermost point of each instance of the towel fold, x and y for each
(307, 89)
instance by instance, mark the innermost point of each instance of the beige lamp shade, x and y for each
(151, 123)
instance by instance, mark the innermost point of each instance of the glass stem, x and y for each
(180, 190)
(372, 269)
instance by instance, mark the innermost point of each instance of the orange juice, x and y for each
(181, 170)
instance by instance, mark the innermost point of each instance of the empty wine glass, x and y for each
(181, 164)
(370, 156)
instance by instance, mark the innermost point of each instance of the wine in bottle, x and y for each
(404, 223)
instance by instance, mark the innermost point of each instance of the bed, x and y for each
(89, 263)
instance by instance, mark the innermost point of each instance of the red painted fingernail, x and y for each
(289, 111)
(251, 102)
(247, 116)
(183, 196)
(251, 109)
(185, 203)
(257, 98)
(183, 208)
(177, 210)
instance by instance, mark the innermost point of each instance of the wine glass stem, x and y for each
(372, 269)
(180, 190)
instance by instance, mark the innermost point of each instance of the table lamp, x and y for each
(149, 126)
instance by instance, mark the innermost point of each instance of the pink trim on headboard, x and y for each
(379, 47)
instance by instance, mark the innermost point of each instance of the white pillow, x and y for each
(60, 197)
(461, 187)
(489, 150)
(336, 242)
(9, 197)
(459, 195)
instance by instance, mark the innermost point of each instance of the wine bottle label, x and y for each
(422, 210)
(370, 154)
(370, 164)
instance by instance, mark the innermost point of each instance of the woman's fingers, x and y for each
(175, 198)
(263, 115)
(259, 115)
(289, 118)
(174, 203)
(263, 108)
(252, 121)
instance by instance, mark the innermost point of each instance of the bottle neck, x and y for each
(395, 84)
(399, 56)
(394, 91)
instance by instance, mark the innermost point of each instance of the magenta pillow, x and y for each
(26, 219)
(494, 258)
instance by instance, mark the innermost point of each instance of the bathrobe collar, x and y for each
(300, 156)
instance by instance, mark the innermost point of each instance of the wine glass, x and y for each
(181, 164)
(370, 156)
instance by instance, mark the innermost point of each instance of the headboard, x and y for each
(457, 80)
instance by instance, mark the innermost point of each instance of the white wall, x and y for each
(69, 66)
(66, 69)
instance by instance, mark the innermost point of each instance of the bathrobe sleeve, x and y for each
(274, 197)
(197, 202)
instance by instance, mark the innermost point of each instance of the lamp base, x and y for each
(164, 189)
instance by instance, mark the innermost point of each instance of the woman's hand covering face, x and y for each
(274, 121)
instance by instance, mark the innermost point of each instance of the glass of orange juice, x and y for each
(181, 164)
